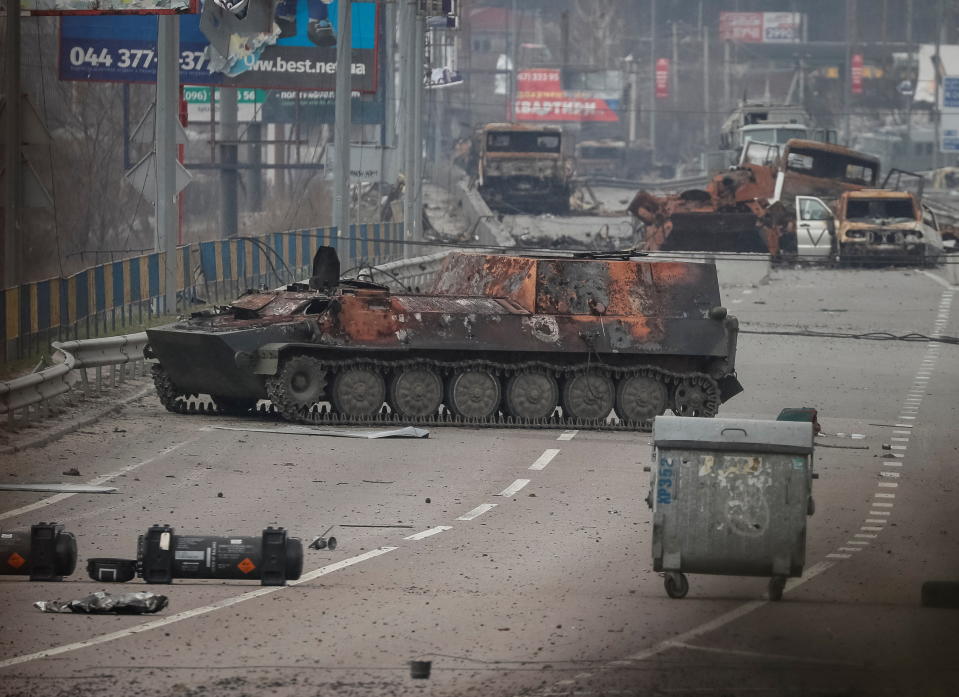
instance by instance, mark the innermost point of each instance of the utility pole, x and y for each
(513, 57)
(940, 30)
(727, 104)
(407, 80)
(674, 72)
(167, 102)
(707, 132)
(11, 209)
(419, 89)
(652, 77)
(847, 71)
(228, 161)
(343, 116)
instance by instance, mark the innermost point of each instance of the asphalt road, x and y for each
(521, 560)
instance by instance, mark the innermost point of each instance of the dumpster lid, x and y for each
(733, 434)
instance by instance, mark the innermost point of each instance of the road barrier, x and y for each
(105, 298)
(115, 359)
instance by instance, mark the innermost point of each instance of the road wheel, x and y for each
(299, 385)
(358, 391)
(531, 395)
(416, 392)
(474, 394)
(695, 397)
(677, 585)
(232, 406)
(588, 396)
(640, 398)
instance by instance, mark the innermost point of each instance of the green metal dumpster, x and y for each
(730, 496)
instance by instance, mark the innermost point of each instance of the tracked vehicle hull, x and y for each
(498, 340)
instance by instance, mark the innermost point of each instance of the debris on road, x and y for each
(271, 557)
(322, 542)
(420, 670)
(101, 603)
(72, 472)
(108, 570)
(406, 432)
(60, 488)
(46, 553)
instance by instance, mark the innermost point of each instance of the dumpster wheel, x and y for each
(776, 586)
(677, 585)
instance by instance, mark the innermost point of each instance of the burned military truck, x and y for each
(520, 168)
(499, 339)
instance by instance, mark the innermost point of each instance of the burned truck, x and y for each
(751, 207)
(535, 340)
(521, 169)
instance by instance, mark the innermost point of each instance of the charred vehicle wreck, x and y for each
(751, 207)
(499, 339)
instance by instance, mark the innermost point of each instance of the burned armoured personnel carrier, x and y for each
(499, 339)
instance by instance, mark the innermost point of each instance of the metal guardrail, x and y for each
(114, 359)
(697, 182)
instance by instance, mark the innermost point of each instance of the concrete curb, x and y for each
(66, 429)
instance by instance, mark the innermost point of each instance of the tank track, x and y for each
(322, 413)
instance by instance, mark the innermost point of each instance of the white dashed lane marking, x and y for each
(478, 511)
(429, 533)
(544, 459)
(567, 435)
(514, 487)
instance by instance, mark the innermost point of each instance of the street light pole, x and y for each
(11, 211)
(343, 117)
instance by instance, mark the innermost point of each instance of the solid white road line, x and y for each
(544, 459)
(195, 612)
(96, 481)
(429, 533)
(478, 511)
(514, 487)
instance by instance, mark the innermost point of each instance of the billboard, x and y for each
(761, 27)
(540, 97)
(123, 49)
(662, 78)
(949, 109)
(109, 7)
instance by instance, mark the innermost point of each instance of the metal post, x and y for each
(707, 135)
(674, 73)
(513, 58)
(388, 135)
(652, 76)
(410, 151)
(255, 135)
(343, 116)
(228, 151)
(847, 72)
(727, 104)
(11, 228)
(167, 96)
(937, 60)
(418, 92)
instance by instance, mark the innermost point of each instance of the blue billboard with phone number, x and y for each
(123, 49)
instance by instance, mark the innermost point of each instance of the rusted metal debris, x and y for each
(517, 337)
(750, 208)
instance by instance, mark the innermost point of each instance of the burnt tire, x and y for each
(640, 398)
(588, 396)
(695, 397)
(358, 391)
(531, 395)
(474, 394)
(299, 384)
(416, 392)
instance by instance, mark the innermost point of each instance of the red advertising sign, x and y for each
(741, 26)
(662, 78)
(540, 97)
(761, 27)
(856, 73)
